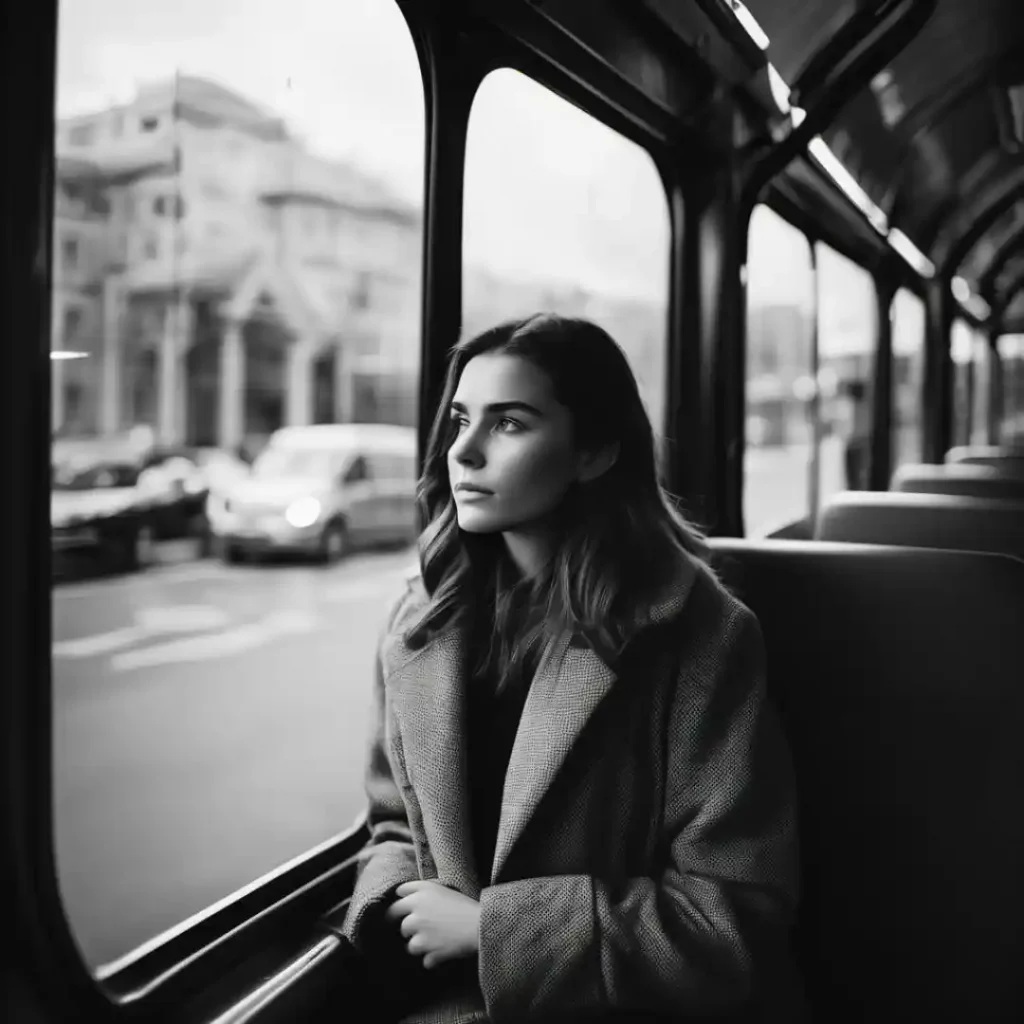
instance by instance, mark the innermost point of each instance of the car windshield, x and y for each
(98, 476)
(295, 462)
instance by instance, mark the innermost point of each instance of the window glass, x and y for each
(962, 342)
(981, 362)
(211, 710)
(780, 373)
(357, 472)
(564, 215)
(908, 325)
(847, 338)
(1011, 353)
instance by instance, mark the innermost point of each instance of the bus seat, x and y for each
(899, 676)
(1009, 461)
(964, 480)
(924, 520)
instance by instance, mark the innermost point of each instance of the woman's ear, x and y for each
(593, 464)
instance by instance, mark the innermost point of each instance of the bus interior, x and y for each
(883, 140)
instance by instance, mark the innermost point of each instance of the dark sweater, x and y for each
(492, 720)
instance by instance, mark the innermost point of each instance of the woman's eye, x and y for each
(509, 426)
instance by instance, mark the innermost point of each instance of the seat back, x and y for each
(964, 480)
(899, 675)
(924, 520)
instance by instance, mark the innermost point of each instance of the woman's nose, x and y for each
(466, 450)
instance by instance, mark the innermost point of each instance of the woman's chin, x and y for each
(472, 522)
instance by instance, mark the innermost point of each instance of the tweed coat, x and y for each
(646, 857)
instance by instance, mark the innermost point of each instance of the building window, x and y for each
(81, 135)
(72, 323)
(149, 124)
(70, 252)
(361, 292)
(150, 247)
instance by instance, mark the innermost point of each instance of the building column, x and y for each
(186, 339)
(344, 386)
(174, 342)
(167, 374)
(231, 386)
(298, 397)
(111, 399)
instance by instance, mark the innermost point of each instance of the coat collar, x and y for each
(429, 696)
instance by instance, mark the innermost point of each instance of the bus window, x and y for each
(779, 375)
(564, 215)
(908, 325)
(846, 347)
(1011, 352)
(962, 342)
(981, 363)
(210, 716)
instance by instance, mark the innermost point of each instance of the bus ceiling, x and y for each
(893, 128)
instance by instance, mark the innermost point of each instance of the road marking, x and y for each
(98, 643)
(149, 622)
(217, 645)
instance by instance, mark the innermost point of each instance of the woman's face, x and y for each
(514, 443)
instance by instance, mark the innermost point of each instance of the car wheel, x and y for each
(334, 543)
(231, 554)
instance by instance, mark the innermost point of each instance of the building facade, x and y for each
(218, 279)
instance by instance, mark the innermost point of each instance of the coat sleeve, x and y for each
(717, 912)
(389, 857)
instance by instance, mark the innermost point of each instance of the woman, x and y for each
(579, 803)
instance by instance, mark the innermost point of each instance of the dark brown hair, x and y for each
(621, 538)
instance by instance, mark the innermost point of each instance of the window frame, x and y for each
(219, 957)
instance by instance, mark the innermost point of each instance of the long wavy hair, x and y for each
(620, 539)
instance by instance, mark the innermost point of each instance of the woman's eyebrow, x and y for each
(503, 407)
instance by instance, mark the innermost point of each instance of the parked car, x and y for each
(321, 490)
(178, 480)
(97, 509)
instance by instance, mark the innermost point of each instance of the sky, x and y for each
(550, 193)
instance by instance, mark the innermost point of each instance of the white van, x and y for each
(321, 490)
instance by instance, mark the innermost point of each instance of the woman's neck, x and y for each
(528, 550)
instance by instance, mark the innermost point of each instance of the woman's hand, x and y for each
(439, 923)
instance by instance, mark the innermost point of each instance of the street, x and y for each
(210, 725)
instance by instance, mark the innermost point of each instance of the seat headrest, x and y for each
(966, 480)
(924, 520)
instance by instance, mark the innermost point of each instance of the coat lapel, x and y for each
(564, 694)
(429, 690)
